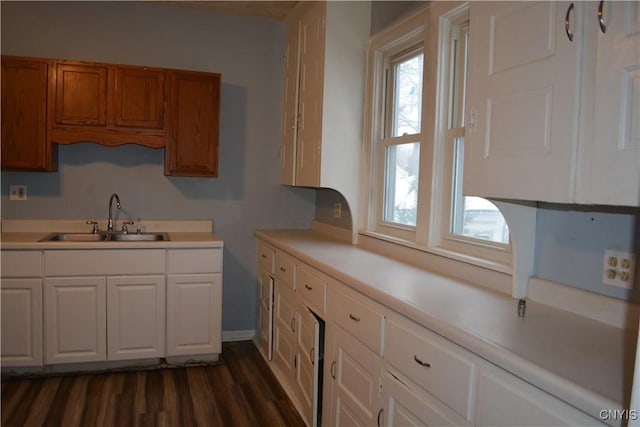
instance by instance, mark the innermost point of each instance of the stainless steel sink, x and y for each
(74, 237)
(105, 237)
(142, 237)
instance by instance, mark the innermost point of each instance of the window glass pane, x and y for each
(474, 217)
(401, 183)
(407, 99)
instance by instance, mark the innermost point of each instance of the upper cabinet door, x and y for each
(24, 114)
(612, 175)
(290, 103)
(139, 98)
(193, 128)
(523, 108)
(81, 94)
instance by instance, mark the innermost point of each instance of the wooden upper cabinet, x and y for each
(139, 98)
(81, 94)
(108, 104)
(24, 114)
(193, 127)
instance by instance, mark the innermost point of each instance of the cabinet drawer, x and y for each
(265, 256)
(357, 316)
(194, 261)
(432, 362)
(102, 262)
(311, 287)
(21, 263)
(285, 268)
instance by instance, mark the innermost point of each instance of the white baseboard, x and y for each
(238, 335)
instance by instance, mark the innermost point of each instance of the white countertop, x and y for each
(26, 234)
(586, 363)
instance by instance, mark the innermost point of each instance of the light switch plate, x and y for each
(17, 192)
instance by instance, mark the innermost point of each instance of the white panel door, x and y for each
(356, 372)
(194, 314)
(75, 319)
(614, 177)
(135, 317)
(284, 342)
(21, 305)
(290, 101)
(310, 98)
(307, 364)
(265, 314)
(521, 127)
(406, 405)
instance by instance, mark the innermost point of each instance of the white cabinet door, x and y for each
(284, 342)
(194, 314)
(307, 364)
(265, 311)
(21, 305)
(290, 103)
(135, 317)
(505, 400)
(310, 102)
(613, 177)
(405, 405)
(522, 115)
(356, 373)
(75, 319)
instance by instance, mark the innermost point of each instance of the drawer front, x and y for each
(21, 263)
(265, 256)
(311, 287)
(103, 262)
(285, 268)
(194, 261)
(437, 365)
(357, 316)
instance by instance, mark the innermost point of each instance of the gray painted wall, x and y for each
(246, 195)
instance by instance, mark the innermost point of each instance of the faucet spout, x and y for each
(110, 221)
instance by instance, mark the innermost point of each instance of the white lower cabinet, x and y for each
(284, 340)
(307, 364)
(21, 310)
(194, 314)
(356, 372)
(404, 404)
(75, 319)
(265, 318)
(135, 317)
(505, 400)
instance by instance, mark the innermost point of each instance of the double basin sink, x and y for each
(105, 237)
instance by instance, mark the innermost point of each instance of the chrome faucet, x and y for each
(110, 222)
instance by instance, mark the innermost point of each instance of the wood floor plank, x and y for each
(238, 391)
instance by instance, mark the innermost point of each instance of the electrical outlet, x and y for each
(337, 210)
(17, 192)
(619, 268)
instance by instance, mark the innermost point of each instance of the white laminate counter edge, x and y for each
(300, 244)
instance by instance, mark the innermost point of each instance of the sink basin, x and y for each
(105, 237)
(142, 237)
(74, 237)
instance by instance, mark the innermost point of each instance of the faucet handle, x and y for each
(95, 228)
(139, 227)
(125, 230)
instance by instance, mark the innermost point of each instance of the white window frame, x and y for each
(432, 231)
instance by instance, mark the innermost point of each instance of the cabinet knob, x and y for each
(354, 317)
(306, 286)
(380, 412)
(283, 269)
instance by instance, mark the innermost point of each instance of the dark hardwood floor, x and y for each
(240, 390)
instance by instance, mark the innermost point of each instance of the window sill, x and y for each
(481, 272)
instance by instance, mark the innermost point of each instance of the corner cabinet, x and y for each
(325, 67)
(552, 102)
(25, 143)
(46, 102)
